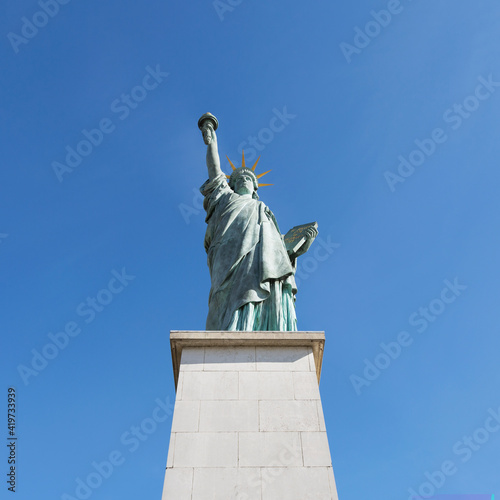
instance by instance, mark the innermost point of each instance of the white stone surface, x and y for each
(233, 359)
(206, 449)
(178, 484)
(270, 449)
(186, 416)
(180, 381)
(321, 417)
(305, 385)
(296, 483)
(219, 416)
(288, 415)
(283, 358)
(312, 365)
(180, 339)
(266, 385)
(333, 485)
(203, 386)
(248, 422)
(315, 449)
(171, 448)
(227, 484)
(192, 358)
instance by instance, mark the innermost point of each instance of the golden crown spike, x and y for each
(255, 164)
(243, 166)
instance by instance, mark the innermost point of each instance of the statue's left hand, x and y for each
(311, 234)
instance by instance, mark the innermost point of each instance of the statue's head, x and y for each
(243, 180)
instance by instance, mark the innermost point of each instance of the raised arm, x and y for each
(213, 161)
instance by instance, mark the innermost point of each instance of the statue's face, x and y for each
(244, 184)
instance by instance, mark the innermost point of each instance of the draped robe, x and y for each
(253, 285)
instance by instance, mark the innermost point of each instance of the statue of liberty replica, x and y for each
(251, 263)
(248, 421)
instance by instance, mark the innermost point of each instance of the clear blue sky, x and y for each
(406, 247)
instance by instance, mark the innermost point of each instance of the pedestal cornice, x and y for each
(179, 339)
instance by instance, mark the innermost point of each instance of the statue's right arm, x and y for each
(213, 161)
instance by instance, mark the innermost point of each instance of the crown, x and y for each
(243, 168)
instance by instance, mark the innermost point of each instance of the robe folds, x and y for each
(253, 285)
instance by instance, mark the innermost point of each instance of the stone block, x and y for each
(230, 359)
(227, 484)
(305, 385)
(178, 484)
(266, 385)
(283, 359)
(296, 483)
(202, 386)
(321, 417)
(178, 388)
(206, 449)
(270, 449)
(294, 415)
(333, 485)
(218, 416)
(171, 448)
(192, 359)
(186, 416)
(315, 449)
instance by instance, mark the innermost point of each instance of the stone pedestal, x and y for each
(248, 422)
